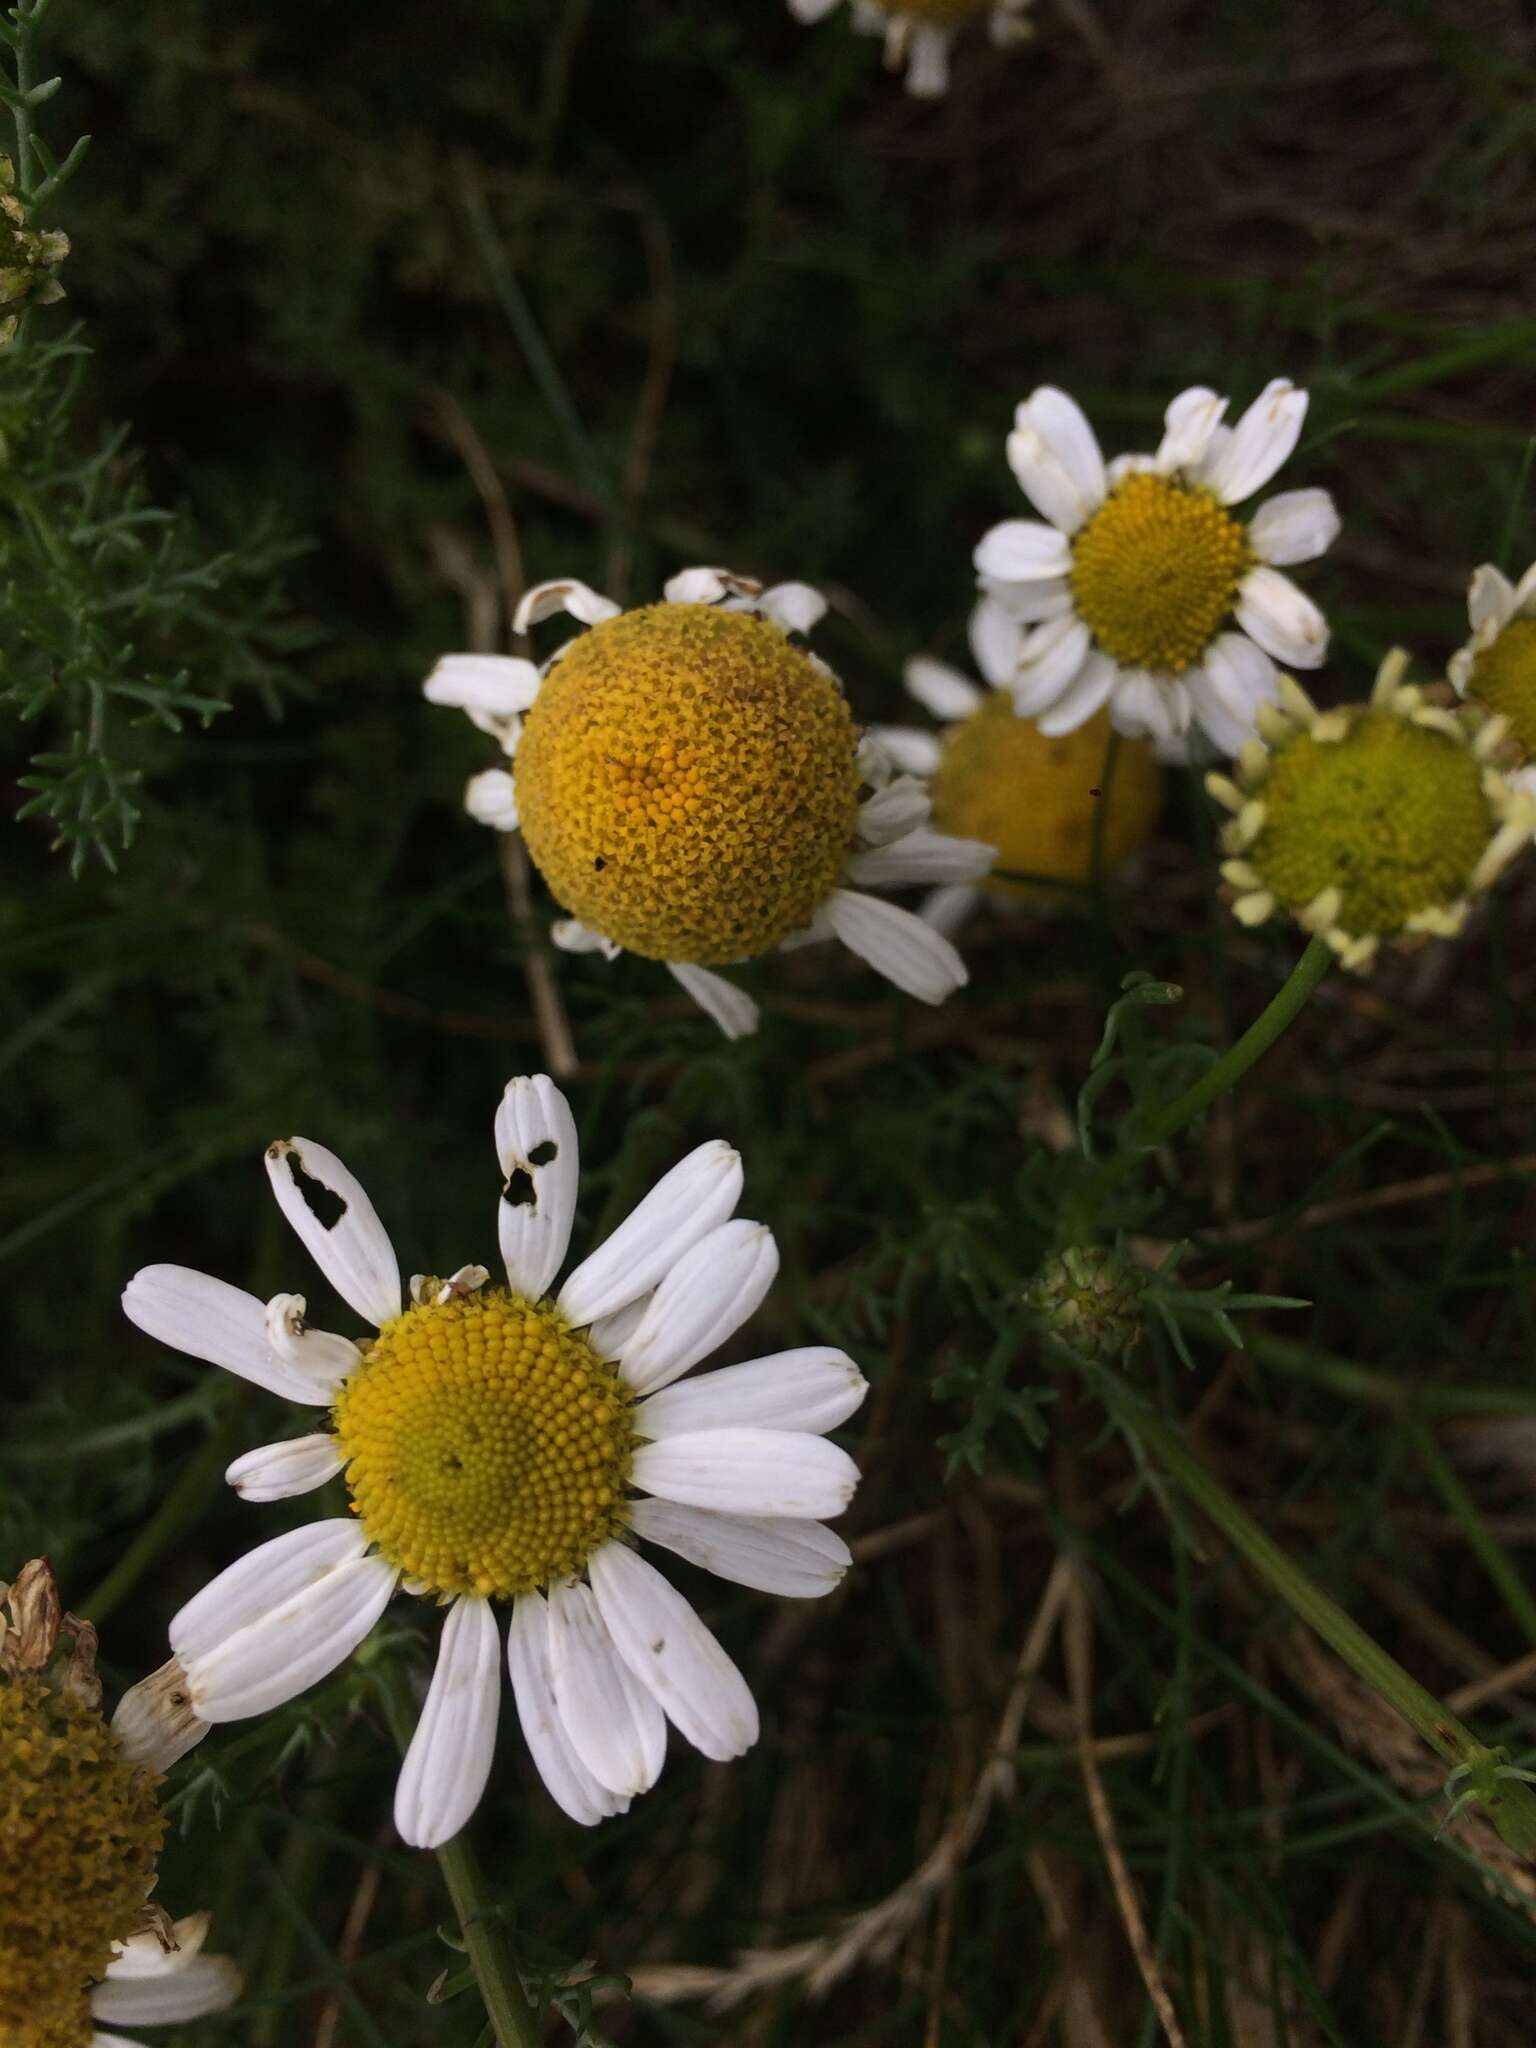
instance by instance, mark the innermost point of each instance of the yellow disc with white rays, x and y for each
(1393, 815)
(1001, 780)
(1504, 678)
(80, 1829)
(1155, 572)
(487, 1445)
(686, 783)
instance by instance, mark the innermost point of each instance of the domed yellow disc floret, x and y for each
(1504, 678)
(487, 1444)
(1000, 780)
(687, 785)
(1393, 816)
(80, 1829)
(1156, 570)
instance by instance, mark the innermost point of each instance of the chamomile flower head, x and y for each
(690, 784)
(1373, 822)
(997, 777)
(918, 33)
(80, 1833)
(1144, 590)
(506, 1448)
(1497, 666)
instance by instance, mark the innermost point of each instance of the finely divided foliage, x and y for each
(994, 869)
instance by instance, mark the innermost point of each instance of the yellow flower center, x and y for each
(487, 1444)
(80, 1829)
(1035, 799)
(1504, 678)
(686, 783)
(1155, 571)
(1393, 816)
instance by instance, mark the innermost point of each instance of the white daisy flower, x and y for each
(504, 1446)
(690, 784)
(918, 33)
(1144, 591)
(998, 777)
(148, 1985)
(1497, 665)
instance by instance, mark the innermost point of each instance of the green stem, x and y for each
(486, 1941)
(1490, 1552)
(1515, 1814)
(1384, 1389)
(1080, 1214)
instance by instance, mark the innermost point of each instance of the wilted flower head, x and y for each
(691, 785)
(80, 1834)
(1375, 821)
(1497, 666)
(28, 257)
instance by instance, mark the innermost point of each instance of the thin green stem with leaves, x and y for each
(1080, 1214)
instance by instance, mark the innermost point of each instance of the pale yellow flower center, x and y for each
(1394, 816)
(1035, 799)
(686, 783)
(1504, 678)
(487, 1445)
(1155, 572)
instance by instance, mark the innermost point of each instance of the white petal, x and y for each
(1297, 526)
(872, 759)
(709, 586)
(323, 1358)
(1143, 706)
(798, 1560)
(449, 1758)
(705, 1298)
(814, 1388)
(565, 595)
(1022, 551)
(209, 1319)
(1188, 426)
(811, 10)
(615, 1726)
(720, 1000)
(949, 909)
(996, 641)
(1525, 592)
(794, 606)
(673, 1654)
(1239, 463)
(1086, 694)
(685, 1204)
(940, 689)
(1064, 429)
(154, 1722)
(609, 1334)
(900, 807)
(491, 799)
(921, 856)
(566, 1778)
(572, 936)
(1285, 622)
(275, 1471)
(204, 1984)
(928, 63)
(499, 684)
(353, 1251)
(1235, 678)
(540, 1169)
(913, 752)
(750, 1472)
(1026, 604)
(142, 1956)
(919, 960)
(1490, 597)
(1049, 660)
(266, 1580)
